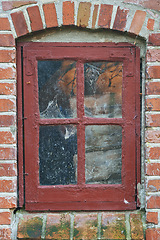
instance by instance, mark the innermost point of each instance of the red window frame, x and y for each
(81, 196)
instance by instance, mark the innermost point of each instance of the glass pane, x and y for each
(103, 154)
(57, 89)
(57, 147)
(103, 89)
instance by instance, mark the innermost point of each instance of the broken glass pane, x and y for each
(57, 148)
(103, 89)
(57, 88)
(103, 154)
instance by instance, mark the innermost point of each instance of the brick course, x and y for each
(83, 14)
(7, 105)
(95, 14)
(4, 24)
(150, 24)
(19, 23)
(5, 218)
(137, 22)
(121, 19)
(105, 15)
(153, 55)
(7, 120)
(152, 88)
(7, 56)
(152, 217)
(152, 120)
(153, 185)
(35, 18)
(50, 15)
(16, 17)
(152, 233)
(7, 40)
(154, 72)
(8, 169)
(68, 13)
(9, 5)
(154, 39)
(5, 233)
(7, 202)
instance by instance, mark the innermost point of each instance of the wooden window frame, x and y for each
(81, 196)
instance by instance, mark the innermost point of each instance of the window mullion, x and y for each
(81, 127)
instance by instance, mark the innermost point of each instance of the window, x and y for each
(79, 117)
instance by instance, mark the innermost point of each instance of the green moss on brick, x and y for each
(31, 228)
(59, 231)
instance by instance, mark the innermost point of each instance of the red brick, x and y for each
(153, 55)
(5, 218)
(85, 226)
(7, 120)
(152, 217)
(153, 152)
(4, 24)
(58, 226)
(153, 136)
(113, 226)
(105, 15)
(154, 39)
(8, 169)
(153, 88)
(7, 88)
(50, 15)
(30, 227)
(150, 24)
(7, 137)
(7, 73)
(153, 120)
(153, 234)
(153, 169)
(9, 5)
(136, 226)
(151, 4)
(7, 40)
(7, 105)
(83, 14)
(7, 153)
(153, 202)
(153, 104)
(35, 18)
(68, 13)
(153, 185)
(94, 17)
(120, 19)
(7, 56)
(137, 22)
(5, 233)
(8, 202)
(19, 23)
(7, 186)
(154, 72)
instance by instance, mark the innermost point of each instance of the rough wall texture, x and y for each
(18, 18)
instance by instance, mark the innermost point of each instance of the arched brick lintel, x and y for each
(86, 15)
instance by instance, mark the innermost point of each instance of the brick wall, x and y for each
(19, 18)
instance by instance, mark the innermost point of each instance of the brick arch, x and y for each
(19, 18)
(86, 15)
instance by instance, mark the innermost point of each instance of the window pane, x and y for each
(57, 147)
(103, 89)
(103, 154)
(57, 89)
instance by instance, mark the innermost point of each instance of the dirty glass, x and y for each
(57, 88)
(57, 148)
(103, 154)
(103, 89)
